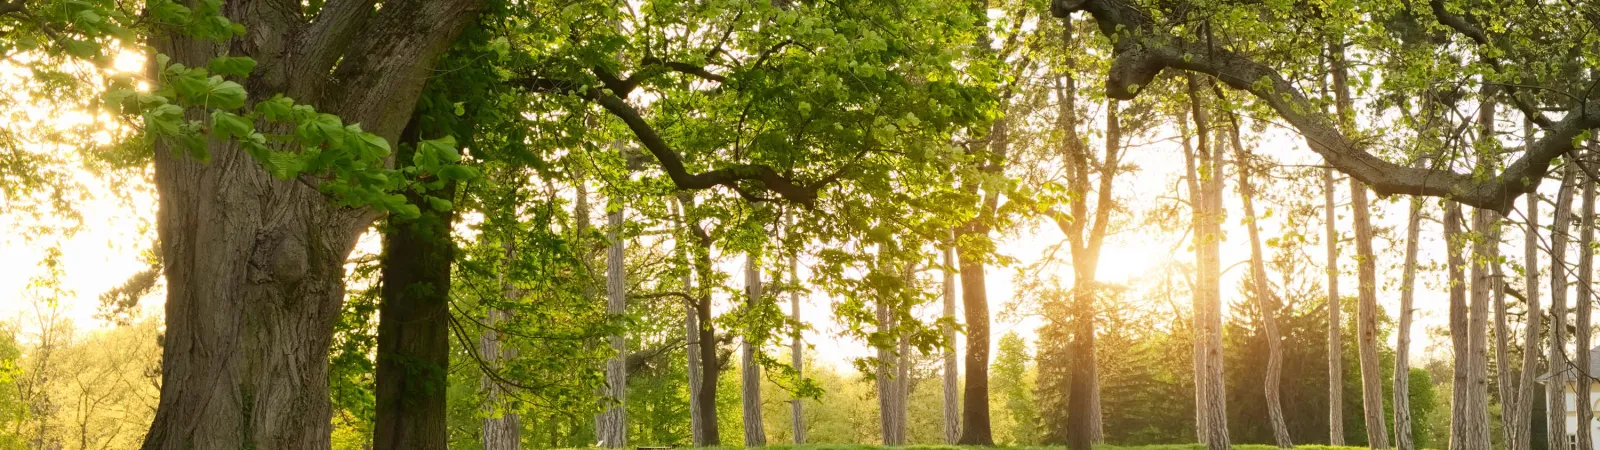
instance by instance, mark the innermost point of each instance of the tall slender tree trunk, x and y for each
(952, 411)
(755, 433)
(1460, 417)
(1585, 304)
(1208, 298)
(1266, 301)
(1402, 353)
(1521, 426)
(1085, 421)
(502, 429)
(1367, 321)
(254, 264)
(1555, 391)
(611, 425)
(796, 349)
(1197, 318)
(710, 364)
(1475, 408)
(691, 324)
(1335, 322)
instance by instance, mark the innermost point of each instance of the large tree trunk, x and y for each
(1367, 321)
(611, 424)
(502, 429)
(952, 412)
(1472, 408)
(1402, 353)
(413, 347)
(1197, 318)
(1585, 303)
(1266, 301)
(1555, 399)
(255, 265)
(796, 349)
(755, 434)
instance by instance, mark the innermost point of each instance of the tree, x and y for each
(950, 370)
(1011, 381)
(1403, 438)
(252, 302)
(1560, 229)
(755, 433)
(611, 425)
(1204, 176)
(1263, 294)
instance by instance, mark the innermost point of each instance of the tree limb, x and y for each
(1141, 52)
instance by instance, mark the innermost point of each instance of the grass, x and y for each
(1097, 447)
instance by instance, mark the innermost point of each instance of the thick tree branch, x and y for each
(330, 33)
(1141, 52)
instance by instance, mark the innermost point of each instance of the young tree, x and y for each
(1265, 298)
(755, 432)
(1403, 439)
(950, 370)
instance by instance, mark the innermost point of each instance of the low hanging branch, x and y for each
(1142, 51)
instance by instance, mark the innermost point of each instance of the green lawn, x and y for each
(1096, 447)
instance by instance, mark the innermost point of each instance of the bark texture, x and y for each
(1516, 377)
(755, 434)
(691, 325)
(975, 425)
(611, 424)
(1367, 321)
(1561, 225)
(951, 370)
(1402, 353)
(1585, 304)
(255, 265)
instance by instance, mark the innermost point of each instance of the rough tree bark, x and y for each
(1561, 225)
(255, 265)
(611, 424)
(1266, 301)
(1460, 436)
(755, 434)
(1367, 321)
(1206, 176)
(1473, 369)
(951, 397)
(1585, 304)
(1402, 353)
(1197, 317)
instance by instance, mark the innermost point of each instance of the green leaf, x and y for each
(230, 124)
(239, 66)
(457, 172)
(225, 94)
(438, 204)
